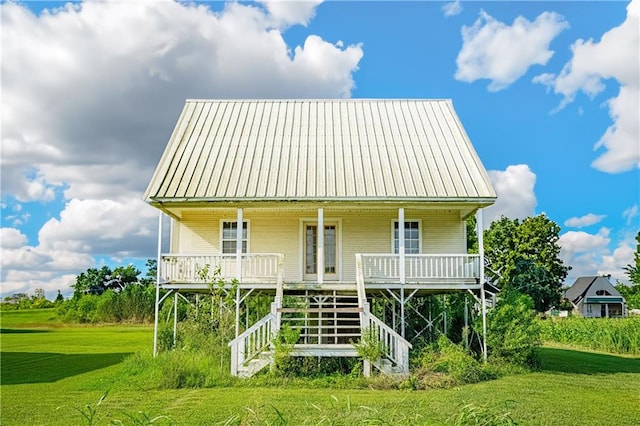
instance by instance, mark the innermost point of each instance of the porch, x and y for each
(375, 271)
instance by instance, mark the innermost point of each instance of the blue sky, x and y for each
(547, 91)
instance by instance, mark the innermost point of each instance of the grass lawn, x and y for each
(50, 373)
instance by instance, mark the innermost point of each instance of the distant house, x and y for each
(596, 297)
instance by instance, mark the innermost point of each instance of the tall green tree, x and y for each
(525, 256)
(633, 270)
(93, 281)
(631, 293)
(121, 277)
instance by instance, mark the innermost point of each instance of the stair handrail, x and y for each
(362, 292)
(396, 347)
(252, 342)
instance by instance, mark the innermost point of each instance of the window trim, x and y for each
(222, 240)
(420, 230)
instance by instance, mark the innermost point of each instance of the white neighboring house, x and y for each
(322, 189)
(596, 297)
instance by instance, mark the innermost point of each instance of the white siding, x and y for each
(362, 231)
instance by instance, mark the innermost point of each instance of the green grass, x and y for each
(51, 373)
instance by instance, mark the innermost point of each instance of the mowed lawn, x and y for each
(51, 372)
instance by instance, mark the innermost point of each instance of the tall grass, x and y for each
(615, 335)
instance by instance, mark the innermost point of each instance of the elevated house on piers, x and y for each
(326, 206)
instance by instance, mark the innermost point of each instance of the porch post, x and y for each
(239, 230)
(479, 231)
(175, 318)
(158, 274)
(401, 250)
(402, 265)
(320, 248)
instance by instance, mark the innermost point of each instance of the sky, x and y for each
(548, 93)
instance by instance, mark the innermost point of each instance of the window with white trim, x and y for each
(229, 236)
(411, 237)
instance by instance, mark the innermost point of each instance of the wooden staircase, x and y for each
(329, 322)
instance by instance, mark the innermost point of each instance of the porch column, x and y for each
(158, 275)
(239, 229)
(402, 265)
(175, 318)
(320, 248)
(401, 250)
(479, 231)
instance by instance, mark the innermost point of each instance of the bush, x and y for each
(454, 360)
(134, 303)
(513, 330)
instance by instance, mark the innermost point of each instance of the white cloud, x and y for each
(105, 227)
(288, 12)
(12, 238)
(615, 56)
(501, 53)
(573, 242)
(106, 81)
(452, 9)
(590, 254)
(86, 228)
(586, 220)
(630, 214)
(515, 189)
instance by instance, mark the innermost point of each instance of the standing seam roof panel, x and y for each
(319, 149)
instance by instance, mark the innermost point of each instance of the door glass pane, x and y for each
(330, 249)
(310, 249)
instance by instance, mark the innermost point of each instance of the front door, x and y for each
(311, 251)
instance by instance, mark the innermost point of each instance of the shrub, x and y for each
(454, 360)
(513, 330)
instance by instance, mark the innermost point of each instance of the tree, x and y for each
(633, 270)
(152, 270)
(524, 256)
(121, 277)
(91, 282)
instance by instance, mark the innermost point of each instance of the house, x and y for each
(596, 297)
(331, 203)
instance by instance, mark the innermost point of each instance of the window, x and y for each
(411, 237)
(229, 235)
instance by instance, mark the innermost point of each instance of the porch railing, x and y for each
(255, 267)
(253, 342)
(419, 267)
(395, 347)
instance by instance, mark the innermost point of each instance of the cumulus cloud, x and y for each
(452, 9)
(515, 189)
(582, 221)
(287, 12)
(615, 56)
(106, 81)
(12, 238)
(101, 226)
(590, 254)
(503, 53)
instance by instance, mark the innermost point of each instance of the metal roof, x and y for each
(305, 150)
(582, 285)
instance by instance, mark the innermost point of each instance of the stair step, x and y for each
(320, 310)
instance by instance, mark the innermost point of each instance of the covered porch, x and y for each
(266, 270)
